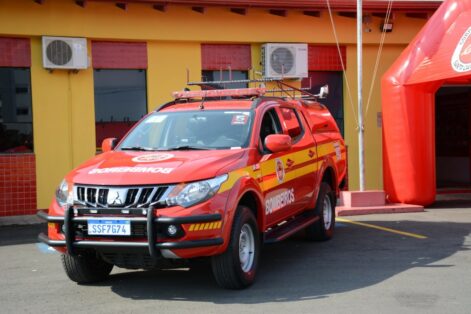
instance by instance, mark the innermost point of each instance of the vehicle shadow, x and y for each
(295, 269)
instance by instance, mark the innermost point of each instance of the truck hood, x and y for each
(142, 168)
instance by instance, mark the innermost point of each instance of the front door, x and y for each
(285, 189)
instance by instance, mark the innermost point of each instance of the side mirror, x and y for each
(108, 144)
(278, 142)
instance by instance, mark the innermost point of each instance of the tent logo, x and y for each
(461, 59)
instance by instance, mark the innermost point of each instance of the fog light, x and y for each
(172, 230)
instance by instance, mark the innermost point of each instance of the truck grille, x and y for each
(120, 197)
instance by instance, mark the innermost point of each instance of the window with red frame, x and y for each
(120, 101)
(16, 116)
(120, 87)
(225, 62)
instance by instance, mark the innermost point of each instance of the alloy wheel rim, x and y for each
(327, 212)
(246, 248)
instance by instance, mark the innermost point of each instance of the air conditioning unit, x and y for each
(284, 60)
(65, 53)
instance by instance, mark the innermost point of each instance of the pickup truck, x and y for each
(213, 175)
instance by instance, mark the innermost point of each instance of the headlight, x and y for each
(189, 194)
(62, 193)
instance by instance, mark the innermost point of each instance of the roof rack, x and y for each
(283, 88)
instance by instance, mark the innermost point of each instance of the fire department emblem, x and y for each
(461, 59)
(280, 170)
(153, 157)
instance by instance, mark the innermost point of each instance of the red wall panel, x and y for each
(15, 52)
(326, 58)
(119, 55)
(17, 184)
(217, 57)
(111, 129)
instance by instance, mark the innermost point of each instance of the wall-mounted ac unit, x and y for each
(64, 53)
(284, 60)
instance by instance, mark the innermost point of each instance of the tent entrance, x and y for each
(453, 138)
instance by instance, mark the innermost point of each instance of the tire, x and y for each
(237, 266)
(85, 269)
(323, 229)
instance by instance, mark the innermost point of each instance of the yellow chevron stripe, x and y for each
(308, 169)
(234, 176)
(205, 226)
(269, 167)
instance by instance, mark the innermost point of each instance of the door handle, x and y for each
(311, 153)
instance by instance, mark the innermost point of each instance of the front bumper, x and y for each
(152, 243)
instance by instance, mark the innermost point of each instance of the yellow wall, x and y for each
(63, 122)
(63, 105)
(371, 109)
(166, 74)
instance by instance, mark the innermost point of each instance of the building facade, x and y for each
(140, 51)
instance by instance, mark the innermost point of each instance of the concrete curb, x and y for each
(20, 220)
(386, 209)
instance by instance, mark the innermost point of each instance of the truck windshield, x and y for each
(190, 130)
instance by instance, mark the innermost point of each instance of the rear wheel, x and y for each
(86, 268)
(323, 229)
(237, 266)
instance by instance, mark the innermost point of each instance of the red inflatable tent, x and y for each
(440, 53)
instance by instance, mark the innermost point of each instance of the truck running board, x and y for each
(290, 227)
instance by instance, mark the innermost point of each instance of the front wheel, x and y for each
(323, 229)
(236, 267)
(86, 268)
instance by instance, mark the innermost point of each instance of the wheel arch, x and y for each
(329, 177)
(327, 174)
(252, 200)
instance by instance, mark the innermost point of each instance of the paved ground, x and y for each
(362, 270)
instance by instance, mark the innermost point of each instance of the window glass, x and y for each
(270, 125)
(211, 76)
(291, 122)
(120, 101)
(16, 116)
(334, 101)
(205, 129)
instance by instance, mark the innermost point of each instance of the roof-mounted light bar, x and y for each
(201, 94)
(228, 82)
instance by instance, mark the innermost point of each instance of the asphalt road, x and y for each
(362, 270)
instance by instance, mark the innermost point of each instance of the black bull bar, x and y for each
(71, 243)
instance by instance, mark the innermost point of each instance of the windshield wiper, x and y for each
(187, 147)
(137, 148)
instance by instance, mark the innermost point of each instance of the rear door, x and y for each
(301, 159)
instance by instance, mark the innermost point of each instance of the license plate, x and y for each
(117, 227)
